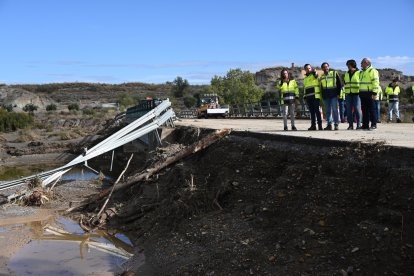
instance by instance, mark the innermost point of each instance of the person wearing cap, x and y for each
(312, 95)
(392, 91)
(331, 85)
(353, 102)
(289, 93)
(368, 87)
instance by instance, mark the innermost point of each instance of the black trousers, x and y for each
(367, 106)
(313, 105)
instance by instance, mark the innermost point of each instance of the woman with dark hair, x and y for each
(353, 102)
(289, 92)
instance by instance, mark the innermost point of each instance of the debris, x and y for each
(196, 147)
(355, 249)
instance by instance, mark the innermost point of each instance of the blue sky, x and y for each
(154, 41)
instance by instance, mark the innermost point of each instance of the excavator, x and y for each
(208, 106)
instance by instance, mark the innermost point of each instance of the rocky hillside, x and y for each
(18, 98)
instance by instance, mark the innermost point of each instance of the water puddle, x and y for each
(60, 247)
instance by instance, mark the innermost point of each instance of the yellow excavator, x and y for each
(209, 106)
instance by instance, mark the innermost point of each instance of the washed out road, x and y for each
(393, 134)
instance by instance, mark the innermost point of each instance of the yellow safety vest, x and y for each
(378, 97)
(289, 91)
(328, 81)
(369, 81)
(328, 85)
(392, 93)
(311, 86)
(342, 94)
(352, 84)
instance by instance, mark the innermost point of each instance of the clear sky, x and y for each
(154, 41)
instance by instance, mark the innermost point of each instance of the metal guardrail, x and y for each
(263, 109)
(149, 122)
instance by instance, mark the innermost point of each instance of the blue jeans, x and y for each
(331, 105)
(353, 103)
(341, 104)
(377, 109)
(393, 106)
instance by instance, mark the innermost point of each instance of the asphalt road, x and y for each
(394, 134)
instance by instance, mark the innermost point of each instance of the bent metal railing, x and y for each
(153, 119)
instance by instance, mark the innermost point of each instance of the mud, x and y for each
(257, 204)
(263, 204)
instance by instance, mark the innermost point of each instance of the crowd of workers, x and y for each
(358, 94)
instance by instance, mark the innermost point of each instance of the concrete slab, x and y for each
(401, 135)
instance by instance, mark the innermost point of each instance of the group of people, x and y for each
(359, 91)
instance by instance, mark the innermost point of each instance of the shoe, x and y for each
(398, 120)
(294, 128)
(373, 127)
(285, 129)
(342, 121)
(336, 128)
(350, 128)
(320, 127)
(328, 127)
(312, 127)
(358, 128)
(379, 122)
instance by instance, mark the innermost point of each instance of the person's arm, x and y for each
(375, 81)
(296, 89)
(338, 83)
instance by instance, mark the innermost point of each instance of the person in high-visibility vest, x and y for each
(330, 84)
(353, 102)
(377, 104)
(368, 87)
(341, 104)
(392, 92)
(289, 91)
(312, 96)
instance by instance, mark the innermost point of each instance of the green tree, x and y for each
(125, 100)
(51, 107)
(73, 106)
(30, 108)
(179, 86)
(237, 87)
(8, 107)
(189, 101)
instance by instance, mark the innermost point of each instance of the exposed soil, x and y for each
(260, 206)
(266, 205)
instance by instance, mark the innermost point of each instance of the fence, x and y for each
(262, 109)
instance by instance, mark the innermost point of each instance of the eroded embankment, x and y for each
(255, 204)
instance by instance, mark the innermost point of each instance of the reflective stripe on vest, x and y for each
(311, 86)
(392, 93)
(366, 81)
(288, 95)
(329, 81)
(352, 84)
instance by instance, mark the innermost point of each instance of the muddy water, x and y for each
(58, 246)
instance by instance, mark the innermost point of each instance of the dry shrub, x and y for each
(26, 135)
(68, 135)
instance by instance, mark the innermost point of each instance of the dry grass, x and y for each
(26, 135)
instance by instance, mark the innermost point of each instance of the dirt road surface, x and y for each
(391, 134)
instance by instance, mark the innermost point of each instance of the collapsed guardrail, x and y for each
(149, 122)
